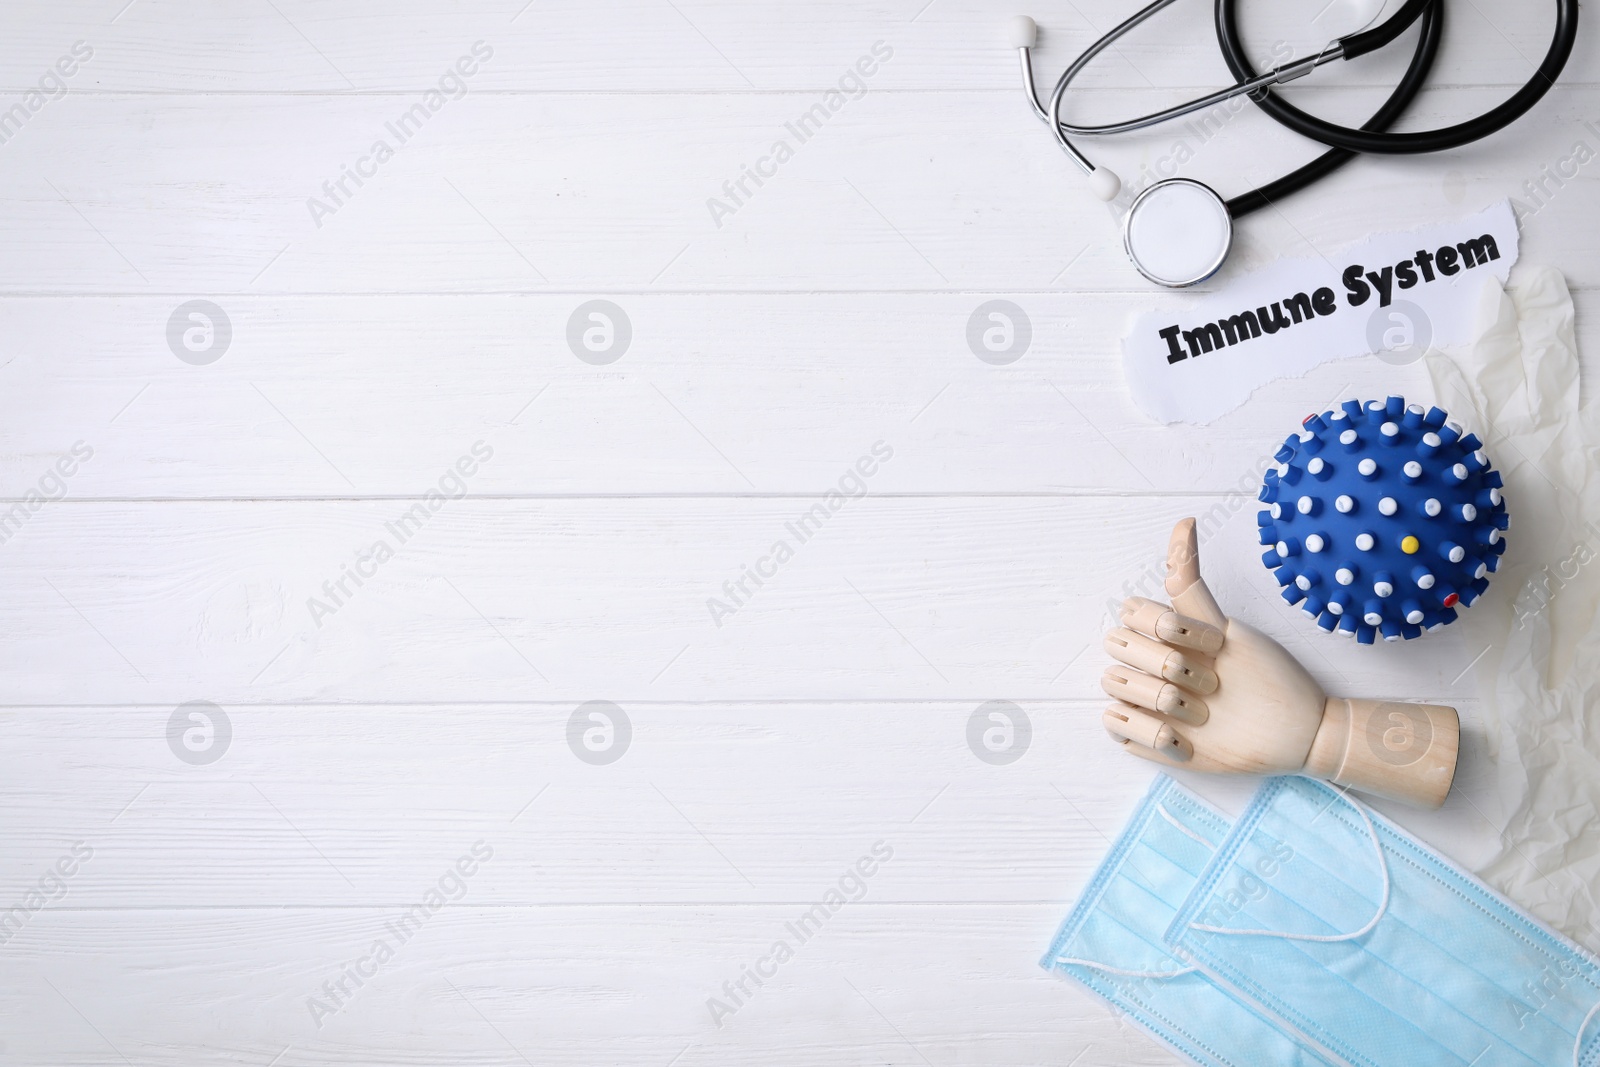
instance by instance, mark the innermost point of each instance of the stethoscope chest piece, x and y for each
(1178, 232)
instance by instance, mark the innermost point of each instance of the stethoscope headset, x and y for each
(1178, 231)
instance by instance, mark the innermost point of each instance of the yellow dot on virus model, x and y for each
(1409, 545)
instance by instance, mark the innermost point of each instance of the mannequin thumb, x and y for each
(1185, 587)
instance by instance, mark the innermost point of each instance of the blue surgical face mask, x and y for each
(1111, 942)
(1375, 950)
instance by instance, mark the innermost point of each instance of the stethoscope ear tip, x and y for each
(1103, 184)
(1021, 32)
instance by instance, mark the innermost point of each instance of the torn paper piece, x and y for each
(1397, 292)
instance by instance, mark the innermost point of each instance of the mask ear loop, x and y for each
(1094, 965)
(1383, 865)
(1577, 1044)
(1161, 809)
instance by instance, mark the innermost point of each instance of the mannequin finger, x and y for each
(1184, 585)
(1155, 694)
(1155, 619)
(1124, 722)
(1136, 749)
(1153, 657)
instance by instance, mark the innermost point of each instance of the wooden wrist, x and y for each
(1405, 752)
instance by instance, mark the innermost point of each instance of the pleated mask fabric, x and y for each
(1112, 941)
(1375, 950)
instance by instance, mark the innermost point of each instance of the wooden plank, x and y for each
(341, 806)
(378, 396)
(642, 47)
(321, 806)
(746, 394)
(626, 985)
(600, 195)
(581, 599)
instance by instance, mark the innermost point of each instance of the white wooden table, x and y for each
(223, 887)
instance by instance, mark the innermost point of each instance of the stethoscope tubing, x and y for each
(1249, 84)
(1405, 91)
(1372, 136)
(1381, 142)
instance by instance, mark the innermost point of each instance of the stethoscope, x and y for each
(1178, 231)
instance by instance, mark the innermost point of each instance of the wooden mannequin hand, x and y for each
(1197, 689)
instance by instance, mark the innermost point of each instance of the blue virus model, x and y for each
(1382, 519)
